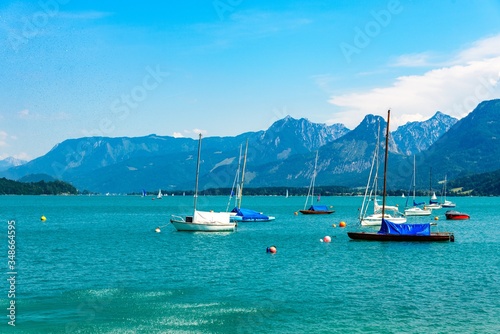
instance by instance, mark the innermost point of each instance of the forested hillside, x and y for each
(9, 187)
(485, 184)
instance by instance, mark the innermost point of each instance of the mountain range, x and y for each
(282, 155)
(10, 162)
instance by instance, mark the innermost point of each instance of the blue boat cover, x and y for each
(249, 214)
(318, 208)
(388, 227)
(417, 204)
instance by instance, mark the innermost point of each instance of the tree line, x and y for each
(11, 187)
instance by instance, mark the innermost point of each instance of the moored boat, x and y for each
(456, 215)
(203, 221)
(375, 218)
(389, 231)
(239, 214)
(446, 203)
(416, 210)
(317, 210)
(402, 232)
(314, 209)
(247, 216)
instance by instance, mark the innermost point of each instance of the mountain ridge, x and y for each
(281, 155)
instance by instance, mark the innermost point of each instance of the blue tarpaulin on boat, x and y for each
(417, 204)
(249, 214)
(388, 227)
(318, 208)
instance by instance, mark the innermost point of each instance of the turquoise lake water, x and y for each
(96, 265)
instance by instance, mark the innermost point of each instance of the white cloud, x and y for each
(483, 48)
(56, 116)
(413, 60)
(190, 133)
(24, 114)
(22, 156)
(198, 131)
(455, 89)
(89, 15)
(3, 138)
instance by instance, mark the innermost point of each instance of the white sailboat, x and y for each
(203, 221)
(375, 219)
(314, 209)
(399, 232)
(160, 195)
(445, 203)
(433, 202)
(239, 214)
(416, 210)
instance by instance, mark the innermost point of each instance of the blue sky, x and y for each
(73, 68)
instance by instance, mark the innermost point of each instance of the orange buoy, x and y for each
(342, 224)
(436, 218)
(271, 250)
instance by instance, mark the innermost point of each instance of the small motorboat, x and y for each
(455, 215)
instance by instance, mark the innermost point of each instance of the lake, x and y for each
(96, 265)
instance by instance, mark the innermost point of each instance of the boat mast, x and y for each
(197, 173)
(364, 205)
(243, 175)
(414, 177)
(314, 177)
(430, 182)
(310, 192)
(236, 184)
(444, 188)
(385, 162)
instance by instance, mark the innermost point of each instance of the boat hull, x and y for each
(443, 236)
(184, 226)
(417, 212)
(240, 219)
(313, 212)
(376, 220)
(454, 215)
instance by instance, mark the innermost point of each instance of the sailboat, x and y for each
(203, 221)
(433, 202)
(314, 209)
(390, 231)
(371, 195)
(160, 195)
(416, 210)
(446, 203)
(239, 214)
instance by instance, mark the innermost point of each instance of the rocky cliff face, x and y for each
(415, 137)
